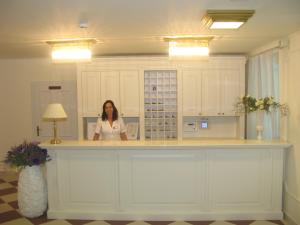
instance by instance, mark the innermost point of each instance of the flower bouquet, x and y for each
(26, 154)
(248, 104)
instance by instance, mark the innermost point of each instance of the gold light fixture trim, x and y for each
(72, 41)
(188, 46)
(226, 19)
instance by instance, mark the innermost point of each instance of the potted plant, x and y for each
(32, 190)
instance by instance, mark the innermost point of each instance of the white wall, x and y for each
(16, 76)
(291, 68)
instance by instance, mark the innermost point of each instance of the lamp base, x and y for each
(55, 141)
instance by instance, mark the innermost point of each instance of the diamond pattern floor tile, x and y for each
(159, 222)
(20, 221)
(5, 208)
(6, 186)
(97, 222)
(180, 223)
(241, 222)
(10, 197)
(221, 223)
(138, 223)
(81, 222)
(263, 222)
(9, 215)
(207, 222)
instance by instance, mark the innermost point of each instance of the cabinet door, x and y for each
(230, 91)
(90, 93)
(129, 93)
(110, 88)
(191, 93)
(211, 93)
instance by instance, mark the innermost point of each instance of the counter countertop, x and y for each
(169, 144)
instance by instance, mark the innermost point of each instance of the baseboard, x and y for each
(291, 206)
(86, 214)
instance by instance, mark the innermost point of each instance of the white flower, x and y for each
(259, 103)
(271, 100)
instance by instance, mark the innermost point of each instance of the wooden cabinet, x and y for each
(210, 92)
(122, 87)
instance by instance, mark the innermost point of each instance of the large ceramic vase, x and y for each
(32, 192)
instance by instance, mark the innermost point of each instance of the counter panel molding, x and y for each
(168, 181)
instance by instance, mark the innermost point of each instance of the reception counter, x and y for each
(166, 180)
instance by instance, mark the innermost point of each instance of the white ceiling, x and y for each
(129, 27)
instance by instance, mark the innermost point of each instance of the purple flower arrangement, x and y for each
(27, 154)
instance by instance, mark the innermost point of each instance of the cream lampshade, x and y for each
(54, 112)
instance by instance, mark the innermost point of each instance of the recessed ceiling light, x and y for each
(226, 19)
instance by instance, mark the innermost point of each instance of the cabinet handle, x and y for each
(223, 113)
(98, 114)
(37, 131)
(122, 114)
(219, 113)
(199, 114)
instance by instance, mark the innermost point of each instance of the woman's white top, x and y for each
(108, 132)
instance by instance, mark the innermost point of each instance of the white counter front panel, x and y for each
(160, 184)
(87, 180)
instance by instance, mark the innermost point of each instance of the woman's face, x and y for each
(109, 109)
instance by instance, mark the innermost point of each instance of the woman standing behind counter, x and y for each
(110, 126)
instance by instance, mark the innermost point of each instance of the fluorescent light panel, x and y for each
(72, 53)
(188, 46)
(226, 19)
(226, 25)
(71, 50)
(176, 50)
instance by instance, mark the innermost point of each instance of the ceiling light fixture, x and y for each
(226, 19)
(72, 50)
(188, 46)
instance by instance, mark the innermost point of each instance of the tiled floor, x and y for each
(9, 214)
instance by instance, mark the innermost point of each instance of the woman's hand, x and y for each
(96, 137)
(123, 136)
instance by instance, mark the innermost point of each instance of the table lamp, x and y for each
(55, 112)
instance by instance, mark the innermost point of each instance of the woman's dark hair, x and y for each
(115, 111)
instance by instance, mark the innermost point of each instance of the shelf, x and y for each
(160, 104)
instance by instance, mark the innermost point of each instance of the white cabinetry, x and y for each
(191, 93)
(231, 83)
(210, 92)
(110, 87)
(90, 90)
(129, 93)
(204, 88)
(210, 88)
(122, 87)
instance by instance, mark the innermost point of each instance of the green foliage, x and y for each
(248, 104)
(26, 154)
